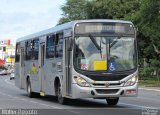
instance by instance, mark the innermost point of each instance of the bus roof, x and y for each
(66, 26)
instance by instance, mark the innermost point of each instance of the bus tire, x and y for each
(29, 89)
(112, 101)
(62, 100)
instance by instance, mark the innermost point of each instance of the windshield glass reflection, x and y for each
(105, 53)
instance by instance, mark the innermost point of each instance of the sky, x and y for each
(23, 17)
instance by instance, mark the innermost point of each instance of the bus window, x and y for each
(50, 47)
(35, 48)
(17, 53)
(29, 50)
(59, 45)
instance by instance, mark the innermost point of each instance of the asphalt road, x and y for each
(15, 101)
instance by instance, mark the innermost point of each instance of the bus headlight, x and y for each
(81, 82)
(131, 81)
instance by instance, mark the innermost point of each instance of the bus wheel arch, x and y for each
(56, 83)
(58, 91)
(27, 78)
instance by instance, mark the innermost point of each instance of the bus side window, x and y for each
(35, 48)
(29, 53)
(50, 47)
(59, 45)
(17, 53)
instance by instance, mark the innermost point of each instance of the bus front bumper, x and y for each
(105, 92)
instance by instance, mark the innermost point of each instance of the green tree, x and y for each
(148, 22)
(73, 10)
(99, 9)
(112, 9)
(149, 28)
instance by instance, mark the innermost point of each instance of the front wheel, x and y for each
(112, 101)
(61, 99)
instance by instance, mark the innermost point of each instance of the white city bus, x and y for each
(79, 59)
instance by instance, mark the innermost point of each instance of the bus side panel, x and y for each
(52, 70)
(49, 76)
(19, 72)
(31, 70)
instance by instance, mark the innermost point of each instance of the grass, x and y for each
(149, 83)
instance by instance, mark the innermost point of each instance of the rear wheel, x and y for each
(29, 89)
(112, 101)
(61, 99)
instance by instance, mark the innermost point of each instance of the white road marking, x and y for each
(73, 112)
(44, 104)
(18, 98)
(139, 106)
(7, 99)
(149, 89)
(6, 80)
(148, 98)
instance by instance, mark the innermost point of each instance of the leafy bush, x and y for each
(146, 73)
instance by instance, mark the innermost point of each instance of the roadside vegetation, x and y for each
(145, 14)
(149, 77)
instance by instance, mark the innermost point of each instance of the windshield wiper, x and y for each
(95, 43)
(113, 43)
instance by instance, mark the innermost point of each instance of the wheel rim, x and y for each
(29, 88)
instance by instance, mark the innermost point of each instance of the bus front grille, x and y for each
(106, 77)
(107, 91)
(103, 84)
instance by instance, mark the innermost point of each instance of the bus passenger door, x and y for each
(41, 69)
(21, 80)
(68, 66)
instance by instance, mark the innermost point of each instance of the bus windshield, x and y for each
(95, 53)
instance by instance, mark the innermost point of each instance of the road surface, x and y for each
(15, 101)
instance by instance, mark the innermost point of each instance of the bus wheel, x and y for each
(61, 99)
(29, 90)
(112, 101)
